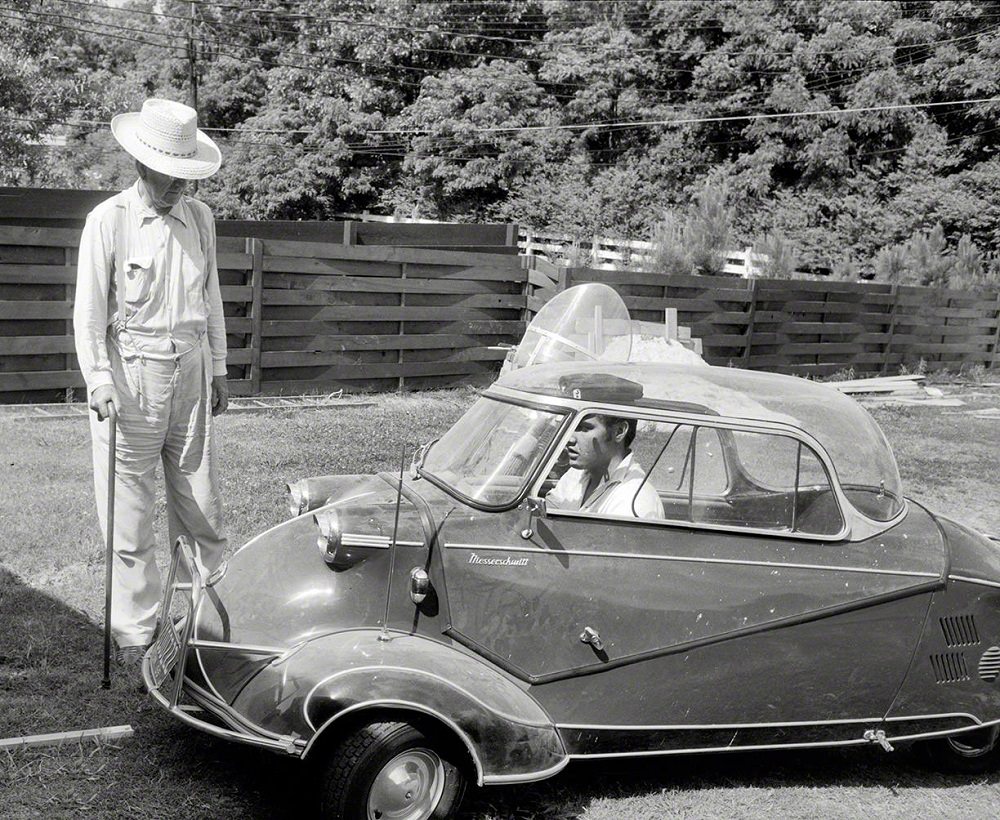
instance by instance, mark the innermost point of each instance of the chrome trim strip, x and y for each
(511, 779)
(933, 716)
(692, 559)
(699, 525)
(979, 581)
(265, 532)
(761, 747)
(439, 678)
(369, 704)
(699, 726)
(948, 732)
(354, 539)
(238, 647)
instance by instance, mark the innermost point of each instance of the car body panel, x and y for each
(546, 635)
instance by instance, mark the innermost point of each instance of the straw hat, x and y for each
(164, 136)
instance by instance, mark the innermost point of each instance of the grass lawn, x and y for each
(51, 605)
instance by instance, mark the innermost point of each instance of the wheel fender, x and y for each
(507, 734)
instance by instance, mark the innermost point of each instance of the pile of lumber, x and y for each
(883, 385)
(896, 389)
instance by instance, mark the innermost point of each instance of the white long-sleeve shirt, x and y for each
(171, 286)
(623, 492)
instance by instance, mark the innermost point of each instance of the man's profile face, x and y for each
(164, 191)
(593, 445)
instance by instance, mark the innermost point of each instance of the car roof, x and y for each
(723, 391)
(857, 447)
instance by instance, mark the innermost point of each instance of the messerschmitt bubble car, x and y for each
(412, 633)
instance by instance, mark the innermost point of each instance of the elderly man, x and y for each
(151, 342)
(603, 477)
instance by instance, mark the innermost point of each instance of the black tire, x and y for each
(355, 783)
(974, 752)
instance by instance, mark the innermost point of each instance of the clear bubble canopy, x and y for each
(585, 323)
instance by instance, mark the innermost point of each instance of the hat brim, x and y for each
(205, 162)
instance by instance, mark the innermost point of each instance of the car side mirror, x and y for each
(535, 507)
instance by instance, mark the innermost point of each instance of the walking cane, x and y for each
(109, 550)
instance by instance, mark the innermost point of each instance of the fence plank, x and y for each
(25, 309)
(275, 248)
(379, 284)
(255, 247)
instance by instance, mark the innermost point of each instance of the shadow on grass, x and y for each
(51, 664)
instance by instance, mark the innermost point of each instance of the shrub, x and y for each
(778, 258)
(708, 230)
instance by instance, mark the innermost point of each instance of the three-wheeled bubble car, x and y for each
(452, 626)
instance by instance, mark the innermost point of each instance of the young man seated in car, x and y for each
(603, 477)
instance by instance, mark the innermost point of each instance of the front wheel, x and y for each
(972, 752)
(391, 771)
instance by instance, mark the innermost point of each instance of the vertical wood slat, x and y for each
(402, 332)
(996, 338)
(886, 353)
(754, 284)
(69, 294)
(255, 247)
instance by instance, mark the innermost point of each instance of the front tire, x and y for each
(391, 771)
(972, 752)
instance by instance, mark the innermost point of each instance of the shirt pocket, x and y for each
(138, 277)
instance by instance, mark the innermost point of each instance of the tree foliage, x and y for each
(838, 128)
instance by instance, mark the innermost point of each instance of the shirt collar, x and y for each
(178, 212)
(625, 466)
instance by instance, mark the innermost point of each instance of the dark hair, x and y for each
(611, 421)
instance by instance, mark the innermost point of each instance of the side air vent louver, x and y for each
(989, 664)
(950, 667)
(960, 630)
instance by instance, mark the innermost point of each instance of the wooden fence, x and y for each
(300, 316)
(808, 327)
(307, 311)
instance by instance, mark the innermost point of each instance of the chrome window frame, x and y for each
(856, 525)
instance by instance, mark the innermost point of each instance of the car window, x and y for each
(489, 454)
(779, 484)
(677, 449)
(741, 479)
(702, 474)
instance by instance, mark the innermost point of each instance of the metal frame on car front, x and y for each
(166, 661)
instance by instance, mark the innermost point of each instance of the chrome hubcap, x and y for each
(408, 787)
(974, 744)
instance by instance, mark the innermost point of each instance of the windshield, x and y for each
(492, 450)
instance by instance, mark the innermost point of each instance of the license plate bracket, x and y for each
(164, 654)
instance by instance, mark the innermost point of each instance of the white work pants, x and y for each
(164, 415)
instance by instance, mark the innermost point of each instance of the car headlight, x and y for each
(331, 542)
(298, 497)
(330, 534)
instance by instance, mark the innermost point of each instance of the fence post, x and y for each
(893, 293)
(753, 282)
(513, 234)
(401, 383)
(565, 279)
(996, 339)
(69, 294)
(255, 247)
(350, 233)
